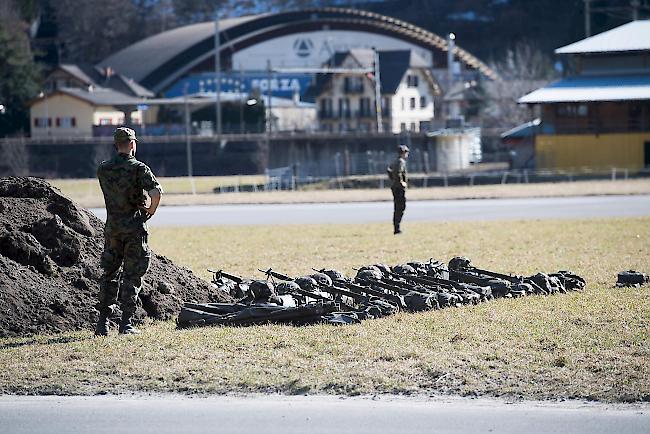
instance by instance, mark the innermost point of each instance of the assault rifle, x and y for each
(467, 292)
(413, 297)
(298, 291)
(216, 275)
(393, 298)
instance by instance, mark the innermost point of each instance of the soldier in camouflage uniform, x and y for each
(399, 182)
(124, 180)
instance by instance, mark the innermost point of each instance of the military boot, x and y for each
(126, 324)
(103, 325)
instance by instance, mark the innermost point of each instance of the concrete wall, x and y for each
(311, 155)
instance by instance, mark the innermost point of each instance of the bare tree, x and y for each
(522, 70)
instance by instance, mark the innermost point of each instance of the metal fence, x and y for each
(285, 178)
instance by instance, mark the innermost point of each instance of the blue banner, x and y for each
(282, 85)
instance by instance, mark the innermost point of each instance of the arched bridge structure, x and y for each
(158, 61)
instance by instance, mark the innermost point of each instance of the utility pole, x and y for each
(587, 18)
(380, 125)
(217, 73)
(269, 93)
(241, 100)
(451, 46)
(188, 138)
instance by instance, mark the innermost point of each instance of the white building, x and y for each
(346, 100)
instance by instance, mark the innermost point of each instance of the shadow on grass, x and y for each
(50, 341)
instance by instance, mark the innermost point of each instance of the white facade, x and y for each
(313, 49)
(348, 103)
(413, 106)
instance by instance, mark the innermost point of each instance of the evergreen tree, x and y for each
(19, 75)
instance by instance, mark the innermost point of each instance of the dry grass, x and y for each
(87, 193)
(591, 345)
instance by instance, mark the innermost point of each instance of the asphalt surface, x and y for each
(429, 210)
(277, 414)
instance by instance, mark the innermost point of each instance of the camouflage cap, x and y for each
(123, 134)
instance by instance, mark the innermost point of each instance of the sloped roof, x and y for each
(392, 67)
(120, 83)
(95, 76)
(524, 130)
(592, 88)
(101, 96)
(634, 36)
(87, 74)
(139, 59)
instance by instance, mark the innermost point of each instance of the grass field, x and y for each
(86, 192)
(590, 345)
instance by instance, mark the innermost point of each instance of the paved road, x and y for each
(438, 210)
(275, 414)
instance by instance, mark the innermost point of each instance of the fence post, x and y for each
(444, 178)
(504, 177)
(526, 176)
(613, 173)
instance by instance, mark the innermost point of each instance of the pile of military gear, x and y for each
(631, 278)
(328, 296)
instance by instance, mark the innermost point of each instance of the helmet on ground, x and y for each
(437, 269)
(261, 289)
(333, 274)
(286, 287)
(385, 269)
(369, 273)
(307, 283)
(459, 263)
(403, 269)
(322, 279)
(419, 267)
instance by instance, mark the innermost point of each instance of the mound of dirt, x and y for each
(49, 265)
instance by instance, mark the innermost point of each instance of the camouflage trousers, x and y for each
(399, 205)
(130, 251)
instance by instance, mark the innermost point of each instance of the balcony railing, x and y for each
(595, 127)
(353, 88)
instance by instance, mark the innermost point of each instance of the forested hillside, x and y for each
(89, 30)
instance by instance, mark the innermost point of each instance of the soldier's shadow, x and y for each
(49, 341)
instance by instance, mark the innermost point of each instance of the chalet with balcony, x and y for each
(346, 99)
(599, 115)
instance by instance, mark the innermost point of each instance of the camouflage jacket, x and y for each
(397, 173)
(124, 180)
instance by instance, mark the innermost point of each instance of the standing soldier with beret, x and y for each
(399, 181)
(124, 180)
